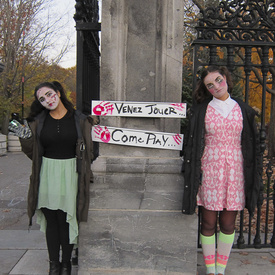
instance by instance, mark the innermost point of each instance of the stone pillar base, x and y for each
(135, 221)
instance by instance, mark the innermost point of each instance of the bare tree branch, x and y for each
(29, 32)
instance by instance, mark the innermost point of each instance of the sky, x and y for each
(66, 9)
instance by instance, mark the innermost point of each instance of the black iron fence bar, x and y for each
(273, 235)
(247, 70)
(199, 227)
(268, 198)
(230, 58)
(88, 26)
(257, 239)
(249, 230)
(240, 240)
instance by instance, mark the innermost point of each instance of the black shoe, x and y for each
(54, 268)
(66, 268)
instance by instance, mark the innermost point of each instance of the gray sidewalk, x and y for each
(23, 252)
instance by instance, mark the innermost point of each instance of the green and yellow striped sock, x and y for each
(225, 243)
(208, 251)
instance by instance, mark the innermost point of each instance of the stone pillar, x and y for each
(141, 61)
(135, 222)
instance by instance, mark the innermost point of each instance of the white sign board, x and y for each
(138, 109)
(122, 136)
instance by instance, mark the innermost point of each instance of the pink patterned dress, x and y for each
(222, 162)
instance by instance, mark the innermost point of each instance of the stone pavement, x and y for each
(24, 252)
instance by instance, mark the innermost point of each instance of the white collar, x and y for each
(224, 107)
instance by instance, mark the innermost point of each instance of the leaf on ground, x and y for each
(244, 253)
(272, 261)
(245, 261)
(6, 210)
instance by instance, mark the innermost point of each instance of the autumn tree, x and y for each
(28, 30)
(66, 76)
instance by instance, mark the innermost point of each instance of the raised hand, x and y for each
(22, 131)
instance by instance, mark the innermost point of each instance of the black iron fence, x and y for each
(259, 229)
(88, 53)
(88, 28)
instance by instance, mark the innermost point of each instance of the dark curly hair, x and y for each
(36, 106)
(201, 92)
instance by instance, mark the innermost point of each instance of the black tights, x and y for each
(57, 234)
(209, 221)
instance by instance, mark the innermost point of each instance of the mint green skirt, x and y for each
(58, 190)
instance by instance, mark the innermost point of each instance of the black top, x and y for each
(59, 137)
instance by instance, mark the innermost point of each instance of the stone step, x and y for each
(137, 191)
(138, 242)
(3, 145)
(136, 226)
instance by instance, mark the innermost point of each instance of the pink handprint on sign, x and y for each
(103, 134)
(179, 106)
(177, 138)
(103, 109)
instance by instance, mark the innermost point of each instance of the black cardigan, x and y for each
(193, 150)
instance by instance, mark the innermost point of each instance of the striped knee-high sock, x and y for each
(224, 246)
(208, 251)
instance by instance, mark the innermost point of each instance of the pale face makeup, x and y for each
(48, 98)
(216, 84)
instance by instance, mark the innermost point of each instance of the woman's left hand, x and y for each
(22, 131)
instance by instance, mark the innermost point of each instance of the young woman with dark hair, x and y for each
(58, 140)
(37, 107)
(222, 171)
